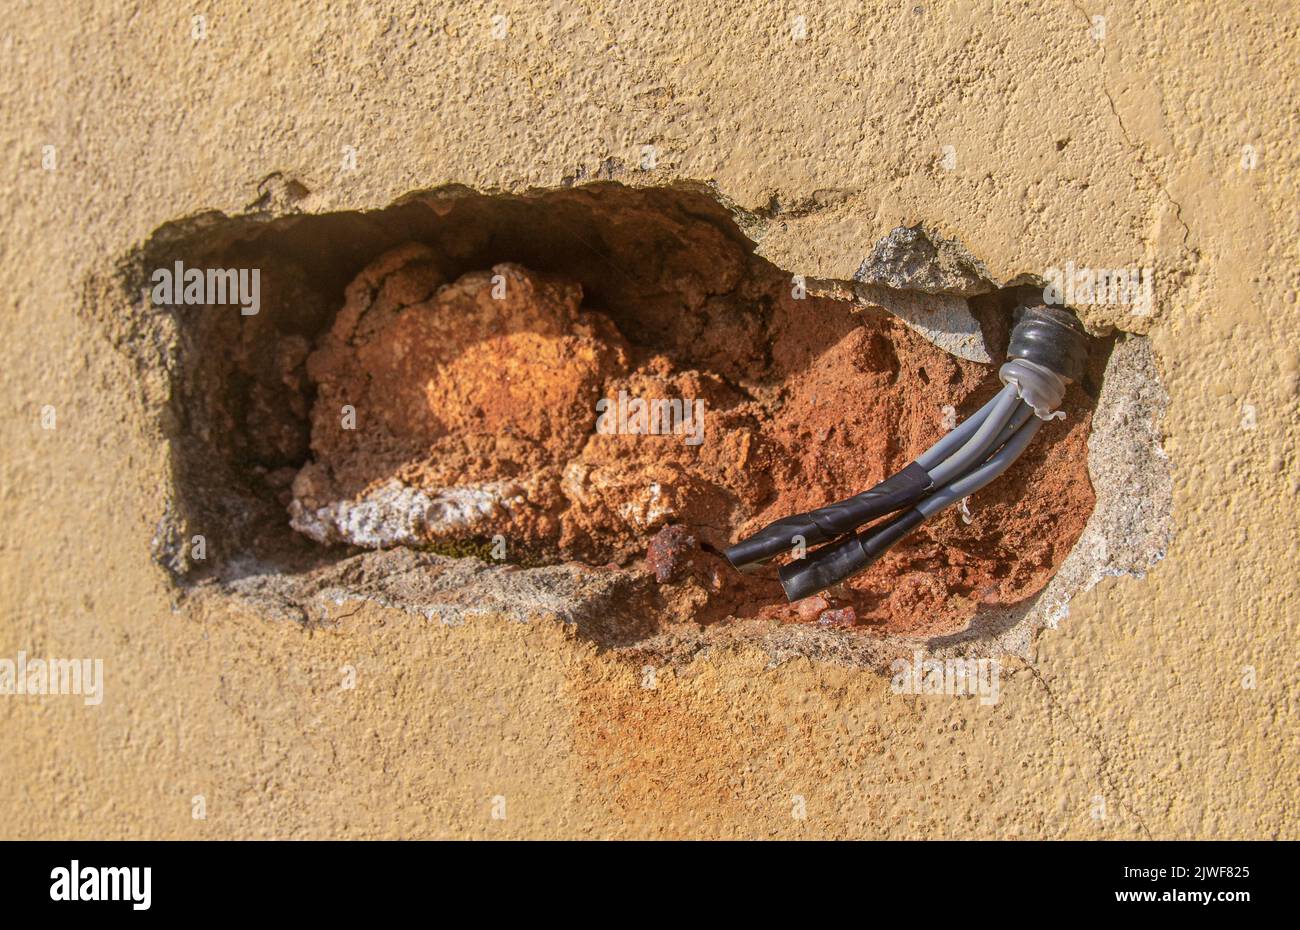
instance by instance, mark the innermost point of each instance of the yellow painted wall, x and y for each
(1127, 151)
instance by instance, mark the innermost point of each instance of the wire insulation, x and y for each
(839, 561)
(978, 446)
(999, 462)
(955, 439)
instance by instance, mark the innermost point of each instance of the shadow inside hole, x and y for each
(644, 258)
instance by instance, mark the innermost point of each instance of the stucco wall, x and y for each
(1132, 719)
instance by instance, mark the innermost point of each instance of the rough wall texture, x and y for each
(1163, 706)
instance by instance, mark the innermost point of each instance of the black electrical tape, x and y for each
(826, 523)
(1051, 337)
(832, 564)
(775, 538)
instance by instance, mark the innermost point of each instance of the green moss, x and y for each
(481, 548)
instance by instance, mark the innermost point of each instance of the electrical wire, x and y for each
(1046, 342)
(1018, 419)
(836, 562)
(957, 437)
(980, 477)
(978, 433)
(978, 446)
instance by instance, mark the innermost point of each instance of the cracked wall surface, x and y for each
(1162, 704)
(469, 427)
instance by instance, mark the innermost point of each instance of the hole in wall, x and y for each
(472, 338)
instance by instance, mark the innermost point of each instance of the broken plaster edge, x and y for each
(567, 593)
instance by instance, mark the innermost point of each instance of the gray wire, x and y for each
(1023, 413)
(955, 439)
(999, 462)
(977, 448)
